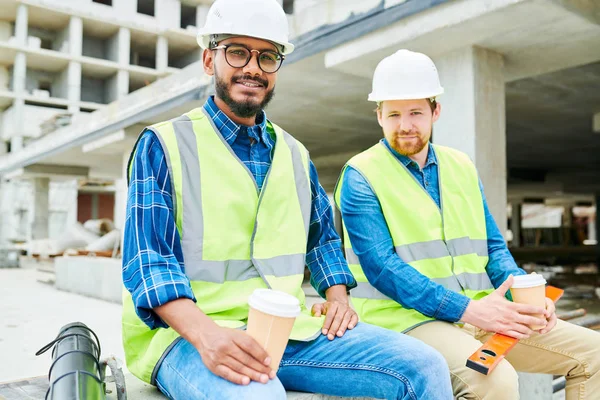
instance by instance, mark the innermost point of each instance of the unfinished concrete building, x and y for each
(61, 60)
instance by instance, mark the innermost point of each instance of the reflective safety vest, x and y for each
(234, 238)
(449, 246)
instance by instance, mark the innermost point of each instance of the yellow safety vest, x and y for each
(449, 246)
(234, 239)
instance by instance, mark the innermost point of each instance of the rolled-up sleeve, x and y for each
(153, 270)
(324, 257)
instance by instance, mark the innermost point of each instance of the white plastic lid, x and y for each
(274, 302)
(527, 281)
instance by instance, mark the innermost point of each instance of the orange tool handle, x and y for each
(487, 357)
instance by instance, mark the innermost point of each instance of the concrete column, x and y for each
(122, 84)
(3, 78)
(124, 46)
(18, 87)
(41, 208)
(121, 198)
(121, 80)
(516, 222)
(162, 53)
(19, 74)
(74, 86)
(75, 36)
(567, 223)
(72, 194)
(16, 144)
(21, 25)
(597, 222)
(473, 118)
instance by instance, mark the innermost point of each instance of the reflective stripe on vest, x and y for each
(234, 238)
(438, 243)
(433, 249)
(456, 283)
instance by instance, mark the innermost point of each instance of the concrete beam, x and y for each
(558, 40)
(426, 24)
(524, 190)
(49, 170)
(118, 136)
(587, 9)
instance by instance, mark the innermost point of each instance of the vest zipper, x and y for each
(440, 208)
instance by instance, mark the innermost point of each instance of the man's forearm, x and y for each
(186, 319)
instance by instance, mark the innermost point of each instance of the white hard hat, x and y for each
(261, 19)
(405, 75)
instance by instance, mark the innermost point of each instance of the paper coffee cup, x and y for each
(270, 321)
(530, 289)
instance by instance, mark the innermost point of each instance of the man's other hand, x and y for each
(494, 313)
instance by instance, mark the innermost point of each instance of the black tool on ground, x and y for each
(76, 373)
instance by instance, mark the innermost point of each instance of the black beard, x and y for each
(249, 107)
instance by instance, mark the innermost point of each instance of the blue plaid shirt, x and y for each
(153, 265)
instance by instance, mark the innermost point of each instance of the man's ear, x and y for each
(436, 112)
(208, 62)
(379, 116)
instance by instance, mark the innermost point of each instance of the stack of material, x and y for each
(95, 237)
(99, 226)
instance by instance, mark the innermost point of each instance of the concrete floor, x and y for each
(31, 315)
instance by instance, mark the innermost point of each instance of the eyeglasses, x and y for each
(239, 56)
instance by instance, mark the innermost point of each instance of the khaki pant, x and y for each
(567, 350)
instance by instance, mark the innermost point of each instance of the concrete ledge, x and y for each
(138, 390)
(97, 277)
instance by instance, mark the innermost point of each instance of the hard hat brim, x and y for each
(203, 39)
(415, 96)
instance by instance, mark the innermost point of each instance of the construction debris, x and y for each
(591, 321)
(567, 315)
(57, 121)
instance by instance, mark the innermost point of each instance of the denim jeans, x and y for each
(366, 362)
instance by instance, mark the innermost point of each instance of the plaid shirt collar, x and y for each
(230, 129)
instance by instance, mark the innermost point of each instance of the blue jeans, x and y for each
(367, 361)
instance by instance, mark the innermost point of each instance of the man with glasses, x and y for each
(222, 201)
